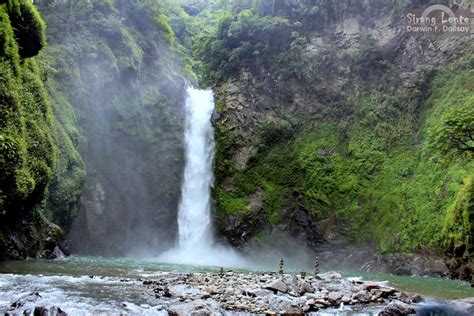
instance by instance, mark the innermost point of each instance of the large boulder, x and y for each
(397, 308)
(24, 299)
(57, 254)
(276, 286)
(197, 307)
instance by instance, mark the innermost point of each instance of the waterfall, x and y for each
(196, 244)
(194, 210)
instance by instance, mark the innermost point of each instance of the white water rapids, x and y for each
(196, 244)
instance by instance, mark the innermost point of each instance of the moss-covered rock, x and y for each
(28, 27)
(32, 147)
(458, 231)
(115, 79)
(28, 147)
(459, 226)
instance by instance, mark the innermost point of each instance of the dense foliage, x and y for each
(268, 33)
(34, 148)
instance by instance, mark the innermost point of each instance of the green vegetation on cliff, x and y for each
(329, 128)
(106, 90)
(27, 147)
(458, 227)
(118, 79)
(34, 150)
(379, 180)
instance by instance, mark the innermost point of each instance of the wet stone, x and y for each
(213, 294)
(27, 298)
(334, 297)
(276, 286)
(361, 296)
(397, 308)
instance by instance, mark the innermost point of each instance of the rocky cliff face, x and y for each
(337, 151)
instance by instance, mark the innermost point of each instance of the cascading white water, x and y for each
(196, 245)
(194, 209)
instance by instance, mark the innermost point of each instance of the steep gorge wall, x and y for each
(91, 127)
(115, 64)
(36, 146)
(347, 147)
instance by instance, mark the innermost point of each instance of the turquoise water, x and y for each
(97, 266)
(425, 286)
(129, 268)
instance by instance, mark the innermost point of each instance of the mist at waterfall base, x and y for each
(196, 244)
(130, 116)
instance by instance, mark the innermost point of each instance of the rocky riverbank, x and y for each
(272, 293)
(230, 293)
